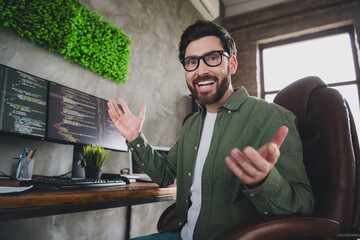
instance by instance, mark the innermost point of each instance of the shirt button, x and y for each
(142, 164)
(189, 174)
(180, 223)
(266, 213)
(138, 145)
(195, 148)
(229, 111)
(252, 194)
(131, 149)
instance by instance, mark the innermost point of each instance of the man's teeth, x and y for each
(205, 83)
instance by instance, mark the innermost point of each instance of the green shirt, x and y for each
(242, 121)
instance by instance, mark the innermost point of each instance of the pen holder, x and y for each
(22, 168)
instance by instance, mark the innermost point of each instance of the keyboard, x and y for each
(70, 183)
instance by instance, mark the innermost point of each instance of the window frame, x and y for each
(346, 29)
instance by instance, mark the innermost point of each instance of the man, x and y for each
(218, 185)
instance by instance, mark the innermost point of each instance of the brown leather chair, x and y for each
(331, 157)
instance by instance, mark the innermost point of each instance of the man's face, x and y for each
(208, 84)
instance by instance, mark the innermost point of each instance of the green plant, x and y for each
(95, 155)
(68, 28)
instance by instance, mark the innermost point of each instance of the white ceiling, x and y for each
(234, 7)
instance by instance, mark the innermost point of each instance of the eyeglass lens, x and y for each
(211, 59)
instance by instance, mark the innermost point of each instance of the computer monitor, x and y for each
(23, 100)
(80, 118)
(135, 169)
(31, 106)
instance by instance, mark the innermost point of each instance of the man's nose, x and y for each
(202, 66)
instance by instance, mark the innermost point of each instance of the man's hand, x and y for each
(252, 166)
(128, 125)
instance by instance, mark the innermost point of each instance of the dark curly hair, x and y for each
(203, 29)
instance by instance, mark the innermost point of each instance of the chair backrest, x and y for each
(330, 146)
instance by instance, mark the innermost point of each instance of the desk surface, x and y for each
(38, 202)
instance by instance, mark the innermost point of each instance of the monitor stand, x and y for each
(77, 170)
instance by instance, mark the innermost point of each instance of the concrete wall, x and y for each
(156, 78)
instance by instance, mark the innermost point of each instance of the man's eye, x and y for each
(212, 57)
(190, 62)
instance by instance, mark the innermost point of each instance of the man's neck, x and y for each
(212, 108)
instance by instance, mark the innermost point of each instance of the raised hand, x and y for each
(128, 125)
(252, 166)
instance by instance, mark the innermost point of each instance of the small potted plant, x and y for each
(95, 157)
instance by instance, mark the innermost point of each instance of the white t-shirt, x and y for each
(195, 189)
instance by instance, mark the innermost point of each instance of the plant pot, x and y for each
(93, 172)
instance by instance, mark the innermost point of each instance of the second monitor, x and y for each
(81, 118)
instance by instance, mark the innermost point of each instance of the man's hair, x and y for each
(203, 29)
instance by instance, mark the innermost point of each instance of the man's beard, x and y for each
(208, 98)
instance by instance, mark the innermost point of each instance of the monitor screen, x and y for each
(23, 99)
(80, 118)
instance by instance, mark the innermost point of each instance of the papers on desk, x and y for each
(8, 190)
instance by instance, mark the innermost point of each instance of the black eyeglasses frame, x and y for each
(222, 52)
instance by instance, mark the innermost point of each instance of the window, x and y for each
(330, 55)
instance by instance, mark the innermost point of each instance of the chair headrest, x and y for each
(300, 92)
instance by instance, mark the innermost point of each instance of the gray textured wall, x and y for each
(156, 79)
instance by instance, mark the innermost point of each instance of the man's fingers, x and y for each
(251, 166)
(111, 104)
(256, 160)
(123, 105)
(234, 167)
(114, 108)
(248, 161)
(239, 171)
(280, 135)
(273, 153)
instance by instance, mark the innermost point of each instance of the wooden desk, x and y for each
(36, 202)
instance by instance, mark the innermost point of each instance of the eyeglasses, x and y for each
(212, 59)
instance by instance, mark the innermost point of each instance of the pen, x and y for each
(24, 153)
(33, 153)
(29, 153)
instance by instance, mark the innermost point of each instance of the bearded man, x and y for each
(236, 159)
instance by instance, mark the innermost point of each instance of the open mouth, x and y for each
(205, 83)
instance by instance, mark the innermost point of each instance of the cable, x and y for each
(4, 174)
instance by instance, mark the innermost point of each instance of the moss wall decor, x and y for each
(68, 28)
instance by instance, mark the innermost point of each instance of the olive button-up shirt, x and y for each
(242, 121)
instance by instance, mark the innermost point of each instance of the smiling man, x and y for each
(237, 159)
(210, 88)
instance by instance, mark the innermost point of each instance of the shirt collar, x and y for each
(233, 103)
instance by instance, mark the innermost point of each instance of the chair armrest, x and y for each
(166, 217)
(283, 226)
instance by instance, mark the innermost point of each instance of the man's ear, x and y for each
(233, 64)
